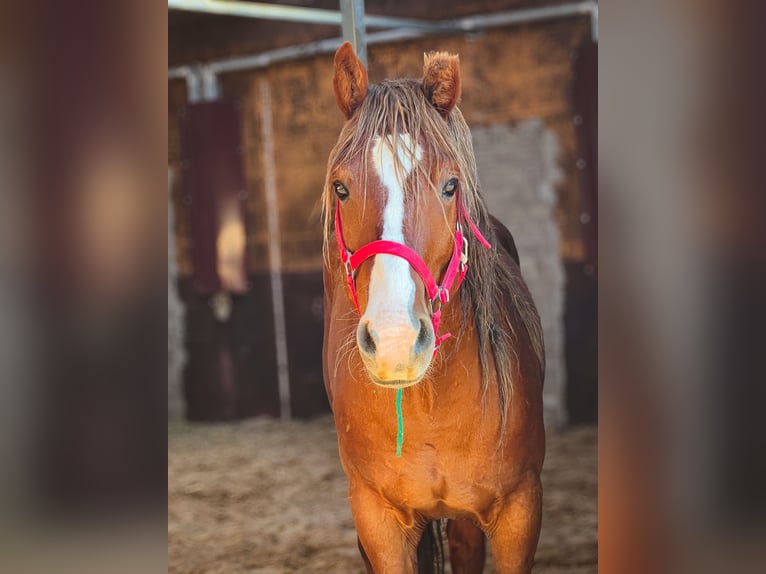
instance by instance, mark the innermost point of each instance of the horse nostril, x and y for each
(364, 338)
(424, 339)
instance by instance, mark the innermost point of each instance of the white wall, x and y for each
(518, 171)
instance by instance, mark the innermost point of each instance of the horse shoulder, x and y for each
(329, 340)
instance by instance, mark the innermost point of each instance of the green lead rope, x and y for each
(400, 421)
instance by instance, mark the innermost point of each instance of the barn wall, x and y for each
(510, 76)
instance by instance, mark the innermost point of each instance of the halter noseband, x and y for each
(437, 294)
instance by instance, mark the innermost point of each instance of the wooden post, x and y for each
(275, 251)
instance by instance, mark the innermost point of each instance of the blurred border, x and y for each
(681, 307)
(83, 136)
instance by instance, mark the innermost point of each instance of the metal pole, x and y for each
(328, 46)
(353, 27)
(594, 23)
(295, 14)
(210, 86)
(201, 82)
(525, 16)
(193, 84)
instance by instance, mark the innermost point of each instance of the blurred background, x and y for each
(251, 121)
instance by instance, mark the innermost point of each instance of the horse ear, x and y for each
(349, 81)
(441, 80)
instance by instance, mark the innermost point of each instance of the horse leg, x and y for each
(467, 550)
(431, 550)
(427, 561)
(386, 546)
(514, 532)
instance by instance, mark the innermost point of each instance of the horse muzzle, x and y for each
(396, 352)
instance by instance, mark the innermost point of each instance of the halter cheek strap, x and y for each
(438, 295)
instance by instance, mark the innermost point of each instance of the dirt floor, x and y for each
(267, 497)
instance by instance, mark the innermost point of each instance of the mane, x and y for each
(491, 290)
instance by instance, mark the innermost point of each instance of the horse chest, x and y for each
(439, 489)
(448, 465)
(431, 479)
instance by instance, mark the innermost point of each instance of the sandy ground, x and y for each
(266, 497)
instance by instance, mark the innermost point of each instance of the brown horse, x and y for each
(411, 254)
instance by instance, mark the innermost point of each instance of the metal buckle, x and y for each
(436, 302)
(441, 297)
(347, 264)
(464, 252)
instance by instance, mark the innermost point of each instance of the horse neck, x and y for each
(462, 329)
(456, 362)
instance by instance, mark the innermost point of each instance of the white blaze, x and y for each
(392, 290)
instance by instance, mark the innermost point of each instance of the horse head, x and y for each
(394, 181)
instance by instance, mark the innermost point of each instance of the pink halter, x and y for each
(437, 294)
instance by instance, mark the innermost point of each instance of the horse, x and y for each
(433, 351)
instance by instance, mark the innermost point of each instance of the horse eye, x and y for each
(340, 190)
(450, 188)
